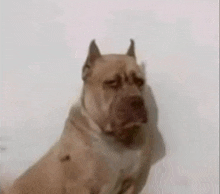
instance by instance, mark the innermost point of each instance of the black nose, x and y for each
(132, 109)
(136, 102)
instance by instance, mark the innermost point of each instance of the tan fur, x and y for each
(85, 160)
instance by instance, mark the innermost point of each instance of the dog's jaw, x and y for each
(126, 136)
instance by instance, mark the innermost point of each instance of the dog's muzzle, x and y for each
(131, 110)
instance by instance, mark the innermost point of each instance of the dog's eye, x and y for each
(112, 83)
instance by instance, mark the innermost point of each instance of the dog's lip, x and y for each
(132, 125)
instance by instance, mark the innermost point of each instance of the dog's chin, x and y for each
(128, 133)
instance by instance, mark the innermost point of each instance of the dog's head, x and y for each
(113, 87)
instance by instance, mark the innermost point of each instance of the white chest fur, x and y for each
(121, 161)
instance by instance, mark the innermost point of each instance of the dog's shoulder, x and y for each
(74, 132)
(74, 141)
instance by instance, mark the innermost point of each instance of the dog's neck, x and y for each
(92, 123)
(93, 116)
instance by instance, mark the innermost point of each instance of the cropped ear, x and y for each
(131, 51)
(93, 54)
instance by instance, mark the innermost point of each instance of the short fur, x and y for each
(106, 144)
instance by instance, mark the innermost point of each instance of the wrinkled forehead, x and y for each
(110, 65)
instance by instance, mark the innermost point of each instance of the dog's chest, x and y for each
(121, 162)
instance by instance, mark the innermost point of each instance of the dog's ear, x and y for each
(131, 51)
(93, 54)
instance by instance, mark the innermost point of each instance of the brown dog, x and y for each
(105, 147)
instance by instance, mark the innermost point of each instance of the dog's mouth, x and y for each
(126, 123)
(132, 125)
(128, 131)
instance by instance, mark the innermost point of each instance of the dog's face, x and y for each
(113, 87)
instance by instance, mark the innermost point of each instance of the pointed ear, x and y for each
(93, 54)
(131, 51)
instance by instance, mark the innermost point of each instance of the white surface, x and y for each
(44, 46)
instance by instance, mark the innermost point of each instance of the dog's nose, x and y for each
(136, 102)
(132, 109)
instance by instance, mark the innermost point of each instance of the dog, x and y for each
(106, 144)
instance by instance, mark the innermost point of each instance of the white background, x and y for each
(44, 45)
